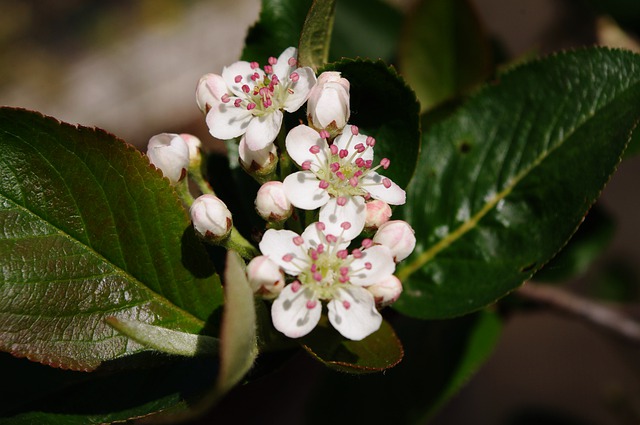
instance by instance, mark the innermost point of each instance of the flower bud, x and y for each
(261, 162)
(169, 153)
(211, 218)
(387, 291)
(272, 203)
(378, 213)
(209, 91)
(328, 103)
(265, 277)
(194, 145)
(398, 236)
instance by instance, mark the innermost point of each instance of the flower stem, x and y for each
(199, 180)
(182, 189)
(238, 243)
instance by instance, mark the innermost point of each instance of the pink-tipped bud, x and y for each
(328, 104)
(170, 153)
(194, 144)
(261, 162)
(272, 203)
(378, 213)
(398, 236)
(211, 218)
(265, 277)
(387, 291)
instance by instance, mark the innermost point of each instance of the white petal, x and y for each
(282, 68)
(300, 139)
(209, 91)
(243, 69)
(348, 141)
(303, 191)
(394, 194)
(226, 121)
(333, 215)
(263, 130)
(301, 89)
(275, 244)
(382, 266)
(332, 106)
(360, 319)
(291, 314)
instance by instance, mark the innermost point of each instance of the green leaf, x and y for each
(384, 107)
(90, 230)
(165, 340)
(238, 343)
(377, 352)
(444, 50)
(440, 357)
(634, 144)
(365, 28)
(591, 239)
(278, 27)
(313, 49)
(503, 183)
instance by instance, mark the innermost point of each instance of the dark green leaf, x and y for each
(503, 183)
(444, 50)
(634, 144)
(384, 107)
(90, 230)
(593, 236)
(36, 394)
(440, 356)
(279, 26)
(366, 29)
(377, 352)
(313, 50)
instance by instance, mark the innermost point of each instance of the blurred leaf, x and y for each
(313, 50)
(384, 107)
(36, 394)
(90, 230)
(590, 240)
(165, 340)
(366, 29)
(444, 50)
(627, 12)
(616, 281)
(440, 356)
(377, 352)
(503, 183)
(278, 27)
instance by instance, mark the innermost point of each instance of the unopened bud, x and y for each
(169, 153)
(211, 218)
(378, 213)
(272, 203)
(265, 277)
(209, 92)
(398, 236)
(258, 163)
(387, 291)
(328, 104)
(194, 144)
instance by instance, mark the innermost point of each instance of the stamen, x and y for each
(343, 153)
(334, 167)
(359, 147)
(317, 276)
(340, 175)
(238, 78)
(255, 76)
(368, 265)
(237, 103)
(345, 225)
(311, 304)
(331, 239)
(245, 88)
(298, 240)
(342, 254)
(367, 243)
(295, 286)
(287, 258)
(294, 77)
(306, 165)
(344, 270)
(320, 248)
(356, 253)
(324, 134)
(292, 62)
(385, 162)
(320, 226)
(251, 106)
(371, 142)
(355, 130)
(323, 184)
(346, 304)
(225, 98)
(353, 181)
(268, 69)
(254, 65)
(273, 61)
(386, 182)
(343, 279)
(274, 80)
(333, 149)
(315, 149)
(342, 201)
(359, 162)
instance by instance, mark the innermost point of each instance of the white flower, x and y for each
(328, 104)
(326, 271)
(265, 277)
(169, 153)
(337, 178)
(247, 99)
(398, 236)
(271, 202)
(211, 218)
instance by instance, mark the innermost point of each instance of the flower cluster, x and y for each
(347, 254)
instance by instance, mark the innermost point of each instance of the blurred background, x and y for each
(131, 67)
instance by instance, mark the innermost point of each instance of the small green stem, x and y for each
(182, 189)
(238, 243)
(200, 181)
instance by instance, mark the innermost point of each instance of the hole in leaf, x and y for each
(464, 147)
(528, 268)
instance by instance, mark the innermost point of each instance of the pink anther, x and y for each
(295, 286)
(342, 201)
(238, 78)
(272, 60)
(355, 130)
(225, 98)
(386, 182)
(294, 77)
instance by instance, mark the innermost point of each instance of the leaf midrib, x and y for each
(468, 225)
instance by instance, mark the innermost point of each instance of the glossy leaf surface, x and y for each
(504, 182)
(89, 230)
(313, 49)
